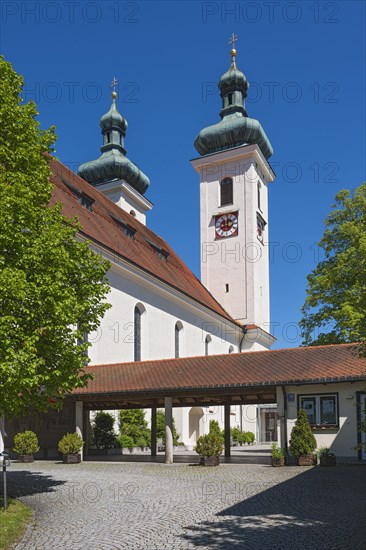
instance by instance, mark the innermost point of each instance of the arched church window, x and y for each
(259, 195)
(177, 337)
(226, 191)
(137, 333)
(208, 339)
(231, 349)
(230, 99)
(108, 137)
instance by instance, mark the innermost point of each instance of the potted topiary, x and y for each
(26, 445)
(326, 457)
(277, 455)
(249, 438)
(70, 446)
(303, 442)
(209, 447)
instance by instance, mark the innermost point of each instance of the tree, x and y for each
(214, 429)
(103, 431)
(52, 287)
(133, 424)
(302, 440)
(335, 307)
(160, 428)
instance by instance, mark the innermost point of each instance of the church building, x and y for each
(168, 329)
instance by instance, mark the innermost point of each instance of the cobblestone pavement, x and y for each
(105, 506)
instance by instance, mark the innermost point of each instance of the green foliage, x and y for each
(160, 428)
(26, 443)
(335, 307)
(302, 440)
(50, 283)
(13, 522)
(325, 451)
(277, 452)
(126, 441)
(103, 431)
(209, 445)
(70, 444)
(214, 429)
(241, 438)
(235, 434)
(249, 437)
(133, 424)
(141, 442)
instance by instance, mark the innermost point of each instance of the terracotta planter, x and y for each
(72, 459)
(209, 461)
(328, 460)
(25, 458)
(306, 460)
(277, 462)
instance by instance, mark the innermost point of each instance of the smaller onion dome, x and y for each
(113, 164)
(233, 79)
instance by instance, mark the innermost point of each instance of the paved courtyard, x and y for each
(111, 505)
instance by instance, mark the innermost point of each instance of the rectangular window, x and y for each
(322, 409)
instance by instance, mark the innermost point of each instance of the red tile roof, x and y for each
(99, 226)
(261, 368)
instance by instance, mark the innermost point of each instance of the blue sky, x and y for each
(306, 65)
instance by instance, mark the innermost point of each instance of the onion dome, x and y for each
(235, 128)
(113, 163)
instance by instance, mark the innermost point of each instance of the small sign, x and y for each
(290, 397)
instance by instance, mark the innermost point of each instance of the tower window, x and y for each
(226, 287)
(226, 191)
(108, 137)
(259, 196)
(230, 99)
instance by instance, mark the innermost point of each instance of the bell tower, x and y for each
(234, 175)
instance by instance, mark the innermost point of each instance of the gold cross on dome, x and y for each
(114, 84)
(232, 40)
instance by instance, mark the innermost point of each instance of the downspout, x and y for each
(241, 406)
(285, 418)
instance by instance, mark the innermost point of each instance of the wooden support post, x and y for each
(168, 431)
(227, 430)
(153, 431)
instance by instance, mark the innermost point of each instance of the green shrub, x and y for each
(302, 440)
(160, 428)
(215, 429)
(277, 452)
(241, 438)
(132, 423)
(249, 437)
(26, 443)
(235, 434)
(325, 451)
(126, 441)
(70, 444)
(103, 431)
(141, 442)
(209, 445)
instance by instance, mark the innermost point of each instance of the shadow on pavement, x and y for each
(321, 508)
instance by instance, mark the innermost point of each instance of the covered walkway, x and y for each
(235, 379)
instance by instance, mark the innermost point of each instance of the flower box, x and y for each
(328, 460)
(25, 458)
(72, 459)
(277, 462)
(306, 460)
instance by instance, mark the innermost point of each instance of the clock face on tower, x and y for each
(226, 225)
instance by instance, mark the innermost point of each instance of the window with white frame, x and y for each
(321, 409)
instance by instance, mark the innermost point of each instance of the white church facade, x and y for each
(229, 311)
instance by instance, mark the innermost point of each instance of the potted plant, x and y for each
(249, 438)
(26, 445)
(126, 442)
(70, 446)
(303, 442)
(277, 455)
(209, 447)
(326, 457)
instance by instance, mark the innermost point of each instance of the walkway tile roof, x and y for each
(100, 225)
(305, 365)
